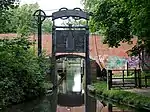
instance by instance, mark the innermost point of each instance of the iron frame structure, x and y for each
(65, 13)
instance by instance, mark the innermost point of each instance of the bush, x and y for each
(21, 71)
(121, 96)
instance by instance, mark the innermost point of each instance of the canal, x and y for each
(70, 96)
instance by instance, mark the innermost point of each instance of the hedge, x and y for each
(121, 96)
(22, 73)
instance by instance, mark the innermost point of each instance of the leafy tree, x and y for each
(5, 5)
(74, 22)
(22, 73)
(120, 20)
(47, 26)
(20, 20)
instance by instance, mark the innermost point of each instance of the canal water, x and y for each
(72, 85)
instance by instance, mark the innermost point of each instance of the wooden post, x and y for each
(142, 62)
(145, 82)
(127, 69)
(135, 77)
(108, 87)
(123, 78)
(109, 79)
(110, 108)
(139, 77)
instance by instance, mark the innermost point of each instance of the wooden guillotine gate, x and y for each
(67, 39)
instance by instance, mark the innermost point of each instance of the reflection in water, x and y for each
(70, 109)
(73, 84)
(73, 79)
(44, 104)
(77, 81)
(72, 95)
(100, 107)
(105, 106)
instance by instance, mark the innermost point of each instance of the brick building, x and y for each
(98, 51)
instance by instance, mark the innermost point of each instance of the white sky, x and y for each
(50, 6)
(54, 5)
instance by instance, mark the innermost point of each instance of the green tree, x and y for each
(22, 73)
(22, 19)
(74, 22)
(120, 20)
(5, 5)
(47, 26)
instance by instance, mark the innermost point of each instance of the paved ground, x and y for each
(142, 91)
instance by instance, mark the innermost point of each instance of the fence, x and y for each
(136, 81)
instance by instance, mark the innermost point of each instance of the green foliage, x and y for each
(47, 26)
(22, 73)
(21, 20)
(5, 4)
(120, 20)
(4, 7)
(24, 20)
(18, 20)
(120, 96)
(74, 22)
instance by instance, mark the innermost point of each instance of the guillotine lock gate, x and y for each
(67, 39)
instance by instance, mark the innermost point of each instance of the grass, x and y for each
(122, 97)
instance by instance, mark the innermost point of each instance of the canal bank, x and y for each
(68, 97)
(128, 98)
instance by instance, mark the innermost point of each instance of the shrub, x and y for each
(21, 71)
(121, 96)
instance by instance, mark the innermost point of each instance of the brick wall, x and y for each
(98, 51)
